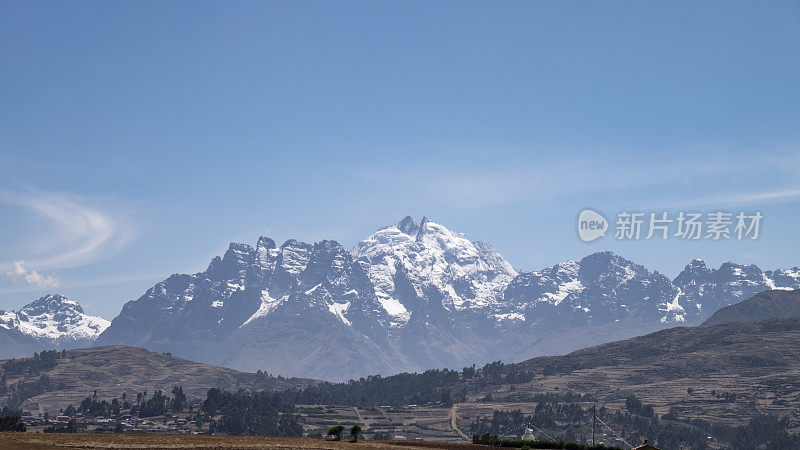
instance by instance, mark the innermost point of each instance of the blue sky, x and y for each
(137, 139)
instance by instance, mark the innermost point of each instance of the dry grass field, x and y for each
(37, 441)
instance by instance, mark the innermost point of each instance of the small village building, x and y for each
(480, 439)
(528, 434)
(645, 446)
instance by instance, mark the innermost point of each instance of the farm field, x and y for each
(421, 422)
(36, 441)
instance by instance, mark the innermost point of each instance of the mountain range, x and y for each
(411, 296)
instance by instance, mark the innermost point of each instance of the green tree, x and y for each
(336, 431)
(355, 431)
(178, 399)
(12, 422)
(154, 406)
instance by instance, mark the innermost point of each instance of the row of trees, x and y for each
(46, 360)
(156, 405)
(431, 386)
(251, 413)
(440, 386)
(336, 432)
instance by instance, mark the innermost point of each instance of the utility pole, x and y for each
(594, 420)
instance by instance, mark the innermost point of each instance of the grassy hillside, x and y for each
(112, 370)
(773, 304)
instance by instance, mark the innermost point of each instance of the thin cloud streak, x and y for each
(743, 199)
(81, 234)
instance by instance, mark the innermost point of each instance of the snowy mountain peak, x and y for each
(694, 272)
(408, 226)
(51, 303)
(607, 258)
(54, 317)
(265, 243)
(784, 278)
(440, 271)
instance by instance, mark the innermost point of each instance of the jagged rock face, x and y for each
(51, 322)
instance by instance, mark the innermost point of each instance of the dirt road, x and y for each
(454, 422)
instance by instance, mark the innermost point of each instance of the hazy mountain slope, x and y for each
(51, 322)
(113, 370)
(773, 304)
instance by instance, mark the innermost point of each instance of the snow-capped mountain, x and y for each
(436, 286)
(413, 296)
(51, 322)
(426, 267)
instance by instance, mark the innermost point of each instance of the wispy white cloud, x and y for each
(770, 196)
(77, 230)
(705, 179)
(21, 273)
(738, 199)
